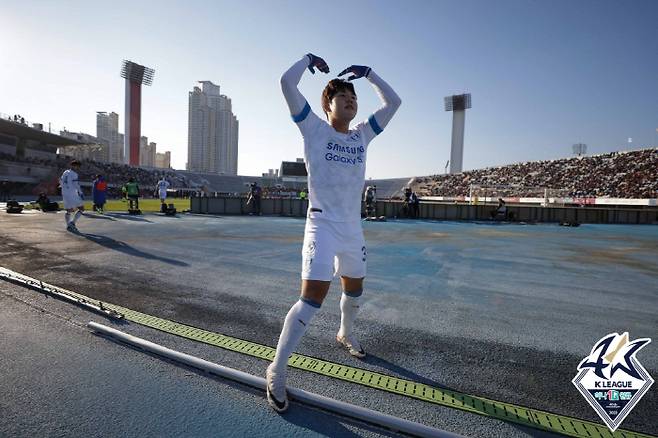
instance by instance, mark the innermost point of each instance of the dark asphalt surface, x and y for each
(501, 312)
(61, 380)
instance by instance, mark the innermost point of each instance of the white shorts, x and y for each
(333, 248)
(163, 194)
(72, 200)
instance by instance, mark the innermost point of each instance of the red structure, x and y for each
(135, 76)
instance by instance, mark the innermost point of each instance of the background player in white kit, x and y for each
(163, 185)
(72, 195)
(335, 158)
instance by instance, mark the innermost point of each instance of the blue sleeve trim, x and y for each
(373, 124)
(301, 116)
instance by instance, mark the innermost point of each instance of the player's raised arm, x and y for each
(290, 79)
(390, 100)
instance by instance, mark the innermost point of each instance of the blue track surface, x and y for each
(495, 310)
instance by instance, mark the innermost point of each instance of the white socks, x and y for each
(67, 217)
(77, 216)
(349, 307)
(294, 327)
(299, 318)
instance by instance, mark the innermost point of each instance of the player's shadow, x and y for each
(123, 247)
(128, 217)
(98, 216)
(403, 372)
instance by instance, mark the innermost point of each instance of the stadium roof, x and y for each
(28, 133)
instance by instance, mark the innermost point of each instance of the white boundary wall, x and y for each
(580, 201)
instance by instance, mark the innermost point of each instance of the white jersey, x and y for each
(71, 192)
(70, 183)
(163, 185)
(336, 166)
(335, 162)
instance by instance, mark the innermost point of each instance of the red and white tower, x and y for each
(135, 76)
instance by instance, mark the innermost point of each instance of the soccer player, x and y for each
(163, 185)
(132, 191)
(72, 195)
(335, 158)
(99, 193)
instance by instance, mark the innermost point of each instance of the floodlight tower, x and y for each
(579, 149)
(135, 76)
(458, 104)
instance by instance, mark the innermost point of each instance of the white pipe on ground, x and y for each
(342, 408)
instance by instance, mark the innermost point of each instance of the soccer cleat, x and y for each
(72, 228)
(277, 396)
(352, 345)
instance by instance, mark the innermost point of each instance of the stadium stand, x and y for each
(37, 175)
(392, 188)
(626, 175)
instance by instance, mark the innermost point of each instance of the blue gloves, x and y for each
(358, 71)
(316, 61)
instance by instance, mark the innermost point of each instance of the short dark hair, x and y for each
(334, 87)
(75, 163)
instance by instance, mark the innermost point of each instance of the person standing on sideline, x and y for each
(255, 193)
(72, 195)
(132, 192)
(414, 203)
(163, 185)
(335, 158)
(368, 200)
(99, 193)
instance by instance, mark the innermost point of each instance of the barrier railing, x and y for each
(440, 211)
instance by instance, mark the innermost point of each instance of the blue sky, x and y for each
(543, 74)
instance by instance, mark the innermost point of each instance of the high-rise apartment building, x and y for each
(90, 149)
(212, 131)
(150, 155)
(146, 152)
(107, 133)
(163, 160)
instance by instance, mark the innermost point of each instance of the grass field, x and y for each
(146, 205)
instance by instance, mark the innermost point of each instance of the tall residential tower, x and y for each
(212, 144)
(107, 133)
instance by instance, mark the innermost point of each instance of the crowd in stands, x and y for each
(614, 175)
(34, 160)
(276, 192)
(117, 175)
